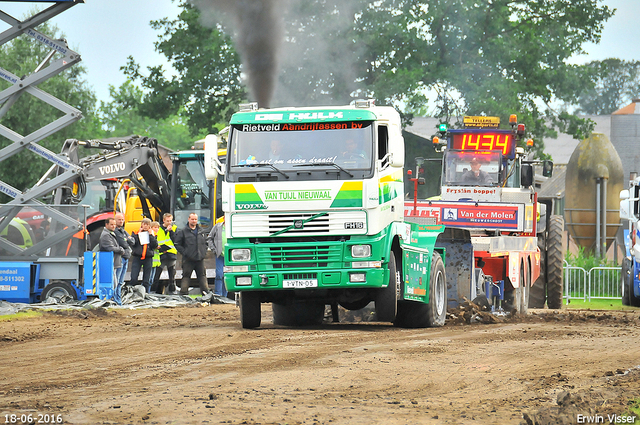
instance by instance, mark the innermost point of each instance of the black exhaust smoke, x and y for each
(257, 30)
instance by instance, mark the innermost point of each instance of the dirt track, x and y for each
(196, 365)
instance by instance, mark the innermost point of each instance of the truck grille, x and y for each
(289, 257)
(260, 225)
(279, 222)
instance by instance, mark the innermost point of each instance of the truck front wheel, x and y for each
(437, 307)
(555, 262)
(414, 314)
(387, 298)
(250, 314)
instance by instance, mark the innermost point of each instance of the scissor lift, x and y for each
(60, 58)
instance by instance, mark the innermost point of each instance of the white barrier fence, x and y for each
(599, 282)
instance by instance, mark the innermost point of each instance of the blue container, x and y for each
(17, 281)
(98, 275)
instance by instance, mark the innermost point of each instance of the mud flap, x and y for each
(458, 265)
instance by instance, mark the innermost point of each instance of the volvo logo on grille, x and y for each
(298, 224)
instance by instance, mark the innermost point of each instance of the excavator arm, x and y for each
(133, 157)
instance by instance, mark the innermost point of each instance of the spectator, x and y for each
(155, 226)
(191, 243)
(142, 254)
(216, 241)
(109, 243)
(168, 254)
(125, 241)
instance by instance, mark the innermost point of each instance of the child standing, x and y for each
(142, 256)
(155, 226)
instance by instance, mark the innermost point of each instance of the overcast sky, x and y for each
(105, 32)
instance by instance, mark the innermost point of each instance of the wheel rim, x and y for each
(58, 293)
(439, 292)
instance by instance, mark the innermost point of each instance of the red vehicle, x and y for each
(489, 207)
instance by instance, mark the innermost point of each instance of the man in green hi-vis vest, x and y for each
(168, 254)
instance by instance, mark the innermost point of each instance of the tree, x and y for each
(487, 57)
(491, 57)
(21, 56)
(121, 117)
(207, 84)
(616, 85)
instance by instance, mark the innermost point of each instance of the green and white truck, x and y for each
(314, 212)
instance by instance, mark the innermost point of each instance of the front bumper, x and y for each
(345, 278)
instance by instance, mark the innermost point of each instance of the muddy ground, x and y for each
(195, 365)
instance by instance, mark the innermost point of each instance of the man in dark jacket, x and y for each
(109, 243)
(191, 242)
(125, 241)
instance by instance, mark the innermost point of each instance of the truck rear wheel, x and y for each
(58, 289)
(537, 293)
(414, 314)
(250, 314)
(555, 262)
(298, 313)
(633, 300)
(625, 277)
(387, 298)
(437, 307)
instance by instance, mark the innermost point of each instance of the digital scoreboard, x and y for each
(483, 140)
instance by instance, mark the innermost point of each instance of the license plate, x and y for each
(300, 283)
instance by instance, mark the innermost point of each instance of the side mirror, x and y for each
(547, 168)
(526, 175)
(624, 194)
(625, 204)
(396, 147)
(212, 166)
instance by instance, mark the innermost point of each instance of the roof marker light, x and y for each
(248, 107)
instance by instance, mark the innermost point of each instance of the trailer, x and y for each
(490, 210)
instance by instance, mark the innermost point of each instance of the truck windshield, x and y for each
(348, 145)
(193, 194)
(476, 168)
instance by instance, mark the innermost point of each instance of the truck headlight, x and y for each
(359, 251)
(243, 281)
(241, 254)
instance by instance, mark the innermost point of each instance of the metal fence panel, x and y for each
(605, 283)
(575, 283)
(599, 283)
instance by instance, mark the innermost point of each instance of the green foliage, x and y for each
(121, 117)
(615, 84)
(587, 261)
(487, 57)
(207, 86)
(483, 57)
(21, 56)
